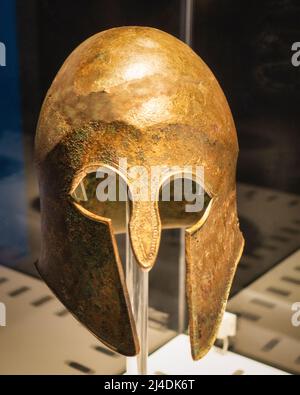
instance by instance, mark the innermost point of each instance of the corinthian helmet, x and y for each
(141, 94)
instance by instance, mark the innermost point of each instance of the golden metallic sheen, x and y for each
(141, 94)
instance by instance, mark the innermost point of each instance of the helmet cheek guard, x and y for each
(212, 254)
(80, 262)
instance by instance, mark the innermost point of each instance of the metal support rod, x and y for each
(186, 24)
(186, 21)
(138, 289)
(181, 284)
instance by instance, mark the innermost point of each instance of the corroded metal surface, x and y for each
(140, 94)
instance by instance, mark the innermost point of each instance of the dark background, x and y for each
(246, 44)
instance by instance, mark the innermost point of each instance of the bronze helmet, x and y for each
(141, 94)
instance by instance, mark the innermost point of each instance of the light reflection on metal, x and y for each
(93, 115)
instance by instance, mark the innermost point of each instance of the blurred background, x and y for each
(248, 46)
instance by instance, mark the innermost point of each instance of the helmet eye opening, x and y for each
(182, 201)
